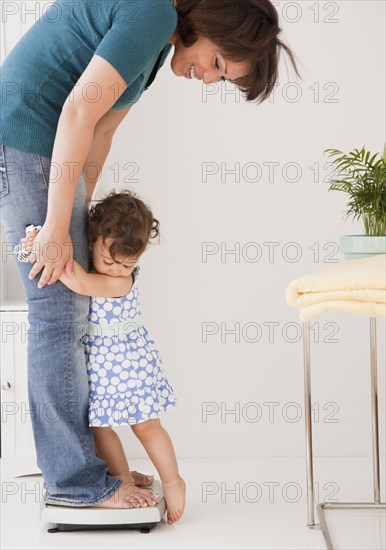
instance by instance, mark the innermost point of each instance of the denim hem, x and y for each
(72, 503)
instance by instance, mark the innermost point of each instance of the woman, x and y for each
(67, 85)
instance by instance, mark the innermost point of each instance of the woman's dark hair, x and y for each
(126, 219)
(243, 30)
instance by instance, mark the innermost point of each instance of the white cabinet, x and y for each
(18, 455)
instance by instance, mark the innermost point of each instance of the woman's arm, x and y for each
(100, 147)
(75, 133)
(95, 160)
(73, 139)
(95, 284)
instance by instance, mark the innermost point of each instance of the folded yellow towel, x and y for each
(353, 286)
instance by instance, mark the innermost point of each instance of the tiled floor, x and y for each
(231, 504)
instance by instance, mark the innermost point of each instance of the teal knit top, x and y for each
(43, 67)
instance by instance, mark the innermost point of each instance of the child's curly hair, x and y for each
(126, 219)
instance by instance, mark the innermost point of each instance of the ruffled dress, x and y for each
(127, 383)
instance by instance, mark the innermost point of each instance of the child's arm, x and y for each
(88, 284)
(95, 284)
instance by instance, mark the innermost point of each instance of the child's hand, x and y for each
(26, 243)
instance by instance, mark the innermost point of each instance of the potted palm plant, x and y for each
(362, 176)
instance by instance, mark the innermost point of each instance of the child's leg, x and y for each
(108, 446)
(159, 447)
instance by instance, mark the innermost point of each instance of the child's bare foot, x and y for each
(130, 496)
(139, 479)
(174, 492)
(142, 479)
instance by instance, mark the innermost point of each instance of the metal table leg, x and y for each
(377, 504)
(307, 400)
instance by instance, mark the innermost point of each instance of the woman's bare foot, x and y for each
(174, 492)
(130, 496)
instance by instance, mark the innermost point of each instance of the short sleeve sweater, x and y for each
(43, 67)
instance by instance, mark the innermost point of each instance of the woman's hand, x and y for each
(52, 251)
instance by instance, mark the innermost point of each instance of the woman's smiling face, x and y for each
(204, 61)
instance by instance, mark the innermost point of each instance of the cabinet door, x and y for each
(16, 434)
(24, 443)
(8, 400)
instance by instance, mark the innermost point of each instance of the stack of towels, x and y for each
(353, 286)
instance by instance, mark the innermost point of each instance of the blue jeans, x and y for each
(57, 376)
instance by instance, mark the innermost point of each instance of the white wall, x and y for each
(171, 133)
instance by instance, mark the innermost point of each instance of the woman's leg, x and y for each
(159, 448)
(57, 376)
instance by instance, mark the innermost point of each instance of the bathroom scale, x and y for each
(76, 518)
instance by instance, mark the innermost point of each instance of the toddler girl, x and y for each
(127, 384)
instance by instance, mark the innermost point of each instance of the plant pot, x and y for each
(360, 246)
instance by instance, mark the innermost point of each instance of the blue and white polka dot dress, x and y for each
(127, 384)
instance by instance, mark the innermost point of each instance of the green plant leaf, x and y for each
(363, 178)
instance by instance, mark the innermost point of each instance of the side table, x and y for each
(321, 507)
